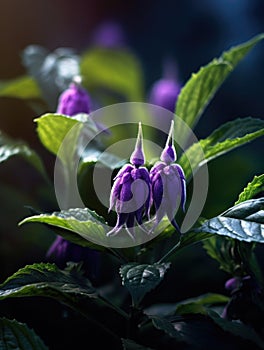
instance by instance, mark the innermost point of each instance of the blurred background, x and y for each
(189, 33)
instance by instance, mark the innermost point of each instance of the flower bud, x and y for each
(74, 100)
(63, 251)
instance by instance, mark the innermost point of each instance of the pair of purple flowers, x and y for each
(136, 189)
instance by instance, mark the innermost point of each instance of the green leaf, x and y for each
(222, 249)
(89, 226)
(47, 280)
(207, 331)
(10, 148)
(227, 137)
(115, 70)
(188, 306)
(255, 187)
(23, 87)
(139, 279)
(86, 225)
(52, 130)
(244, 221)
(238, 329)
(129, 344)
(201, 87)
(199, 304)
(16, 335)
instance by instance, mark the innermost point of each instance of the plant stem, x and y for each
(170, 252)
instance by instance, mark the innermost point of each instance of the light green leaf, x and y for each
(139, 279)
(86, 225)
(115, 70)
(16, 335)
(201, 87)
(255, 187)
(244, 221)
(10, 148)
(23, 87)
(227, 137)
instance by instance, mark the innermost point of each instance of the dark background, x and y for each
(190, 32)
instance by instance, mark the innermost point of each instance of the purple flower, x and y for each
(63, 251)
(168, 183)
(109, 35)
(164, 93)
(130, 193)
(74, 100)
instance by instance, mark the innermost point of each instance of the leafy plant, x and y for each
(124, 316)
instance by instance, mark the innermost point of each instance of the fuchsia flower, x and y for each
(74, 100)
(130, 193)
(168, 183)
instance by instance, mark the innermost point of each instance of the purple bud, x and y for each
(74, 100)
(109, 35)
(62, 251)
(232, 284)
(164, 93)
(168, 155)
(137, 157)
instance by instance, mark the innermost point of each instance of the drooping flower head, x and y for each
(168, 183)
(74, 100)
(130, 194)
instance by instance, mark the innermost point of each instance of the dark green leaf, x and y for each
(49, 281)
(129, 344)
(10, 148)
(207, 331)
(139, 279)
(17, 336)
(188, 306)
(200, 303)
(244, 221)
(255, 187)
(200, 88)
(227, 137)
(238, 329)
(115, 70)
(23, 87)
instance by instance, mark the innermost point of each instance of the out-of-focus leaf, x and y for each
(201, 87)
(23, 87)
(10, 148)
(118, 71)
(16, 335)
(53, 71)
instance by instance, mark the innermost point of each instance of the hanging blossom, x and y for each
(130, 194)
(168, 183)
